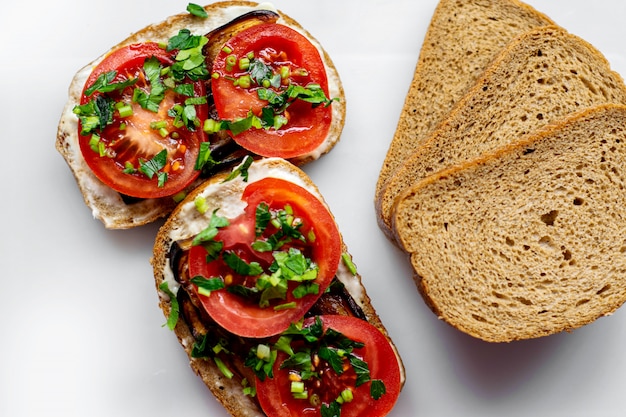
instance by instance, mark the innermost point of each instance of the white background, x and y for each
(81, 332)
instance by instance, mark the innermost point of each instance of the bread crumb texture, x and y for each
(526, 241)
(462, 39)
(539, 78)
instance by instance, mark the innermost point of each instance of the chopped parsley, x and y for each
(154, 167)
(241, 170)
(307, 350)
(197, 10)
(111, 96)
(151, 100)
(172, 319)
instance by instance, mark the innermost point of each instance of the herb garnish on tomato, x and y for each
(271, 92)
(328, 366)
(140, 116)
(263, 270)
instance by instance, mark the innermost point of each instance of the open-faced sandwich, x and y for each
(257, 284)
(182, 99)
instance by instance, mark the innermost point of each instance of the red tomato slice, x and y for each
(280, 49)
(322, 245)
(275, 395)
(129, 141)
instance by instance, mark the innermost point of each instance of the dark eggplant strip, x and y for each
(219, 36)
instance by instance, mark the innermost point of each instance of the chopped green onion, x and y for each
(285, 306)
(315, 400)
(347, 261)
(129, 168)
(297, 386)
(223, 368)
(227, 49)
(158, 124)
(201, 204)
(244, 81)
(211, 126)
(263, 352)
(204, 291)
(346, 396)
(244, 63)
(125, 111)
(231, 60)
(179, 196)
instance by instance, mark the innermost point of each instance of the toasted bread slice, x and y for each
(462, 39)
(538, 78)
(526, 241)
(185, 222)
(109, 206)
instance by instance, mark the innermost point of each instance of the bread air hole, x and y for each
(524, 301)
(603, 289)
(550, 217)
(582, 302)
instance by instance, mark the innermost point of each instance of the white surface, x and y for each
(81, 332)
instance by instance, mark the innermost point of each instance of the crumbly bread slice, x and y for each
(185, 222)
(106, 204)
(526, 241)
(540, 77)
(461, 40)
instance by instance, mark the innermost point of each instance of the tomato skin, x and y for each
(136, 141)
(277, 401)
(307, 127)
(240, 316)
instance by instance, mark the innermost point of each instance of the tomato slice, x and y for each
(281, 50)
(318, 240)
(116, 152)
(275, 394)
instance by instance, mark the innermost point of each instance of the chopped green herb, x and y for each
(223, 368)
(151, 100)
(263, 217)
(377, 389)
(190, 60)
(241, 169)
(240, 266)
(172, 319)
(347, 261)
(154, 165)
(104, 84)
(210, 231)
(204, 160)
(208, 284)
(201, 204)
(197, 10)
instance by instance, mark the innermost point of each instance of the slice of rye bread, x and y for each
(540, 77)
(461, 40)
(526, 241)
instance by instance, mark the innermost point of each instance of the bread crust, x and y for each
(106, 204)
(462, 39)
(229, 392)
(559, 266)
(572, 74)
